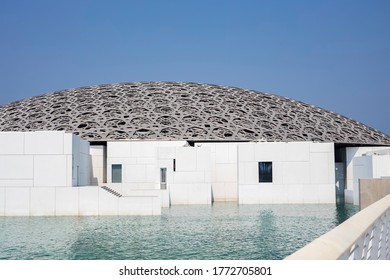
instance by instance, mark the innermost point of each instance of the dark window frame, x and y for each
(114, 174)
(265, 172)
(163, 178)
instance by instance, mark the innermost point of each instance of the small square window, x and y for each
(116, 174)
(265, 172)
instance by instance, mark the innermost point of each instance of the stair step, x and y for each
(111, 191)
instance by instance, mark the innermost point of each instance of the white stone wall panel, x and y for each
(108, 203)
(88, 201)
(2, 202)
(43, 201)
(16, 167)
(143, 149)
(11, 143)
(319, 168)
(67, 201)
(16, 183)
(119, 149)
(17, 201)
(44, 143)
(185, 159)
(50, 170)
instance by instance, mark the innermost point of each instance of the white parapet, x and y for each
(364, 236)
(77, 201)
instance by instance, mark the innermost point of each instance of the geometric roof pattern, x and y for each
(182, 111)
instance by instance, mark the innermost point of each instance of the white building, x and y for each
(144, 146)
(367, 163)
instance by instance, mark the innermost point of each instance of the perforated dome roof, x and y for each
(182, 111)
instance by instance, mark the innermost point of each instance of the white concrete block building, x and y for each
(133, 148)
(371, 163)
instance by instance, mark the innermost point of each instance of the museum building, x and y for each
(133, 148)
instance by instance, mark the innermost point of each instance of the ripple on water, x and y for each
(221, 231)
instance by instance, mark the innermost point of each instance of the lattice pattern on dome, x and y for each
(182, 111)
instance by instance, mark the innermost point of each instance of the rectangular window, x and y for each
(163, 178)
(174, 165)
(116, 173)
(265, 172)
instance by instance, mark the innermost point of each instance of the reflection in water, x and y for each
(343, 212)
(221, 231)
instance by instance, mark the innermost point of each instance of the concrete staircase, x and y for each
(111, 191)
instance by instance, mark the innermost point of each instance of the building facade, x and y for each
(133, 148)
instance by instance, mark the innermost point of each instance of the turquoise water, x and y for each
(221, 231)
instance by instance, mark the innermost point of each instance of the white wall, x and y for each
(369, 166)
(137, 160)
(36, 169)
(351, 153)
(42, 159)
(82, 201)
(81, 169)
(381, 166)
(163, 195)
(98, 169)
(191, 182)
(223, 162)
(351, 194)
(303, 172)
(141, 162)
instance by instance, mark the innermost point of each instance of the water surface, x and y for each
(221, 231)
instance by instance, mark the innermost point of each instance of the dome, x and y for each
(182, 111)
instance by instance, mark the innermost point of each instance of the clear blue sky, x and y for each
(332, 54)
